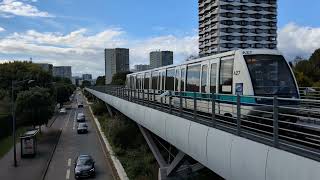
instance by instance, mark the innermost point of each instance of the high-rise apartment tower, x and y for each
(160, 58)
(236, 24)
(62, 71)
(116, 60)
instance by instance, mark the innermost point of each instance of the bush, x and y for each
(128, 144)
(88, 95)
(120, 130)
(99, 108)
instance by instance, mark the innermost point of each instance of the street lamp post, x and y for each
(13, 83)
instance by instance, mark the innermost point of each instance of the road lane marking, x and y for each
(68, 174)
(74, 121)
(69, 162)
(66, 124)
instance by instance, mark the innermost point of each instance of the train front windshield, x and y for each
(270, 75)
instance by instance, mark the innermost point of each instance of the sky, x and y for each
(75, 32)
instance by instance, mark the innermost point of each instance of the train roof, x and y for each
(220, 55)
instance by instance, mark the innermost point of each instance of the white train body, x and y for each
(245, 72)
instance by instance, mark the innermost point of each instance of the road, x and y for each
(38, 164)
(72, 144)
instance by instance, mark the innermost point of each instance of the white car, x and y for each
(63, 111)
(81, 117)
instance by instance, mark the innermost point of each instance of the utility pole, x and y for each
(13, 125)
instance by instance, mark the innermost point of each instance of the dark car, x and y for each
(82, 128)
(81, 117)
(84, 167)
(80, 105)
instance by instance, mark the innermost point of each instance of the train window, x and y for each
(193, 78)
(226, 72)
(140, 81)
(204, 78)
(146, 80)
(183, 79)
(158, 80)
(271, 75)
(213, 78)
(154, 84)
(131, 82)
(170, 79)
(128, 81)
(177, 79)
(163, 76)
(137, 82)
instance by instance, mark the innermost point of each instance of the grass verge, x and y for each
(6, 143)
(130, 147)
(128, 144)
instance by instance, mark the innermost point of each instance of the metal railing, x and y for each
(279, 122)
(310, 93)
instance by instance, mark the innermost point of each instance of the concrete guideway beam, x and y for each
(228, 155)
(155, 150)
(109, 110)
(175, 163)
(167, 171)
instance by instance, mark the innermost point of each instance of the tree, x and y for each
(63, 92)
(18, 71)
(302, 80)
(62, 80)
(315, 58)
(119, 78)
(85, 83)
(34, 106)
(101, 81)
(308, 71)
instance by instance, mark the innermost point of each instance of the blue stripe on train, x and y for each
(232, 99)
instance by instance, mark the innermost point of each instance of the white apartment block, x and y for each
(236, 24)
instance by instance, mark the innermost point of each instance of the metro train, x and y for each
(250, 73)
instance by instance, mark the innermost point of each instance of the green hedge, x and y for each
(5, 125)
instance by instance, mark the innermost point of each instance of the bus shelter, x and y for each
(28, 143)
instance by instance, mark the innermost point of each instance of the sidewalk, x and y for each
(31, 168)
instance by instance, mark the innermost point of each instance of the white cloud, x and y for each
(10, 8)
(2, 29)
(84, 51)
(181, 46)
(294, 40)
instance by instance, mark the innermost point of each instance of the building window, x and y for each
(193, 78)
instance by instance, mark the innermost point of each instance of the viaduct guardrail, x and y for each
(272, 121)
